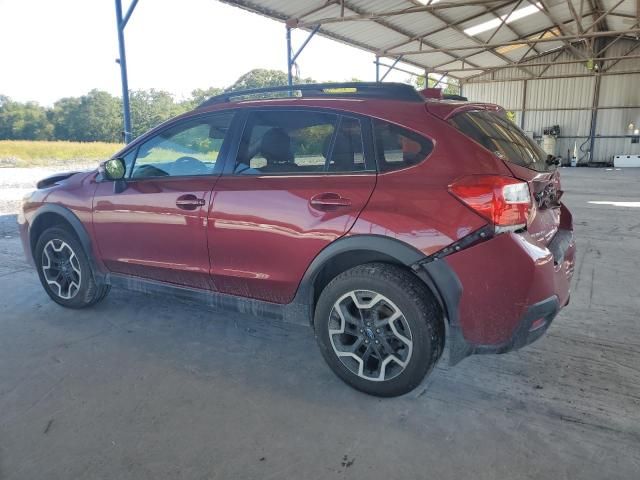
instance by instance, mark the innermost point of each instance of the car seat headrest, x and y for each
(276, 146)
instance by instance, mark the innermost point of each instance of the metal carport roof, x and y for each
(458, 39)
(438, 36)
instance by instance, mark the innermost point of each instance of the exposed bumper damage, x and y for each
(501, 294)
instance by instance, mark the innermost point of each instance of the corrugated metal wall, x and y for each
(567, 102)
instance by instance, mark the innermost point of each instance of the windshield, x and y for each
(501, 136)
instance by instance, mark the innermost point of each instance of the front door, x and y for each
(299, 182)
(156, 227)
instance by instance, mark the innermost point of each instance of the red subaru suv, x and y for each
(381, 217)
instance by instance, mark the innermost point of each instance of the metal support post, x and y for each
(395, 62)
(524, 103)
(289, 62)
(594, 116)
(291, 59)
(304, 44)
(122, 60)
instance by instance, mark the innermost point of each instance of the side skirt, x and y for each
(292, 312)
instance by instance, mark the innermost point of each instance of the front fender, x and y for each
(43, 214)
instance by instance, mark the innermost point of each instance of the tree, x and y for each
(152, 107)
(199, 95)
(23, 121)
(64, 116)
(97, 118)
(261, 77)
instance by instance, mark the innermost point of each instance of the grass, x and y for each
(27, 153)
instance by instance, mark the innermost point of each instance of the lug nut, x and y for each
(378, 330)
(377, 342)
(366, 342)
(361, 331)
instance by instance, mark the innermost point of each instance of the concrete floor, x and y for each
(144, 387)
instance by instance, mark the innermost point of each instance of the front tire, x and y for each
(64, 270)
(379, 329)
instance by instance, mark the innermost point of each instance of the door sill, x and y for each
(292, 312)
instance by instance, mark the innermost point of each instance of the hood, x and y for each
(58, 178)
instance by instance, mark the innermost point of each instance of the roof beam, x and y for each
(402, 32)
(549, 77)
(597, 54)
(528, 41)
(561, 26)
(504, 20)
(602, 18)
(513, 30)
(318, 9)
(553, 61)
(599, 8)
(545, 65)
(476, 40)
(539, 33)
(364, 16)
(540, 55)
(626, 56)
(576, 17)
(615, 40)
(440, 29)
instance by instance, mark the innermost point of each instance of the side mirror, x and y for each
(114, 169)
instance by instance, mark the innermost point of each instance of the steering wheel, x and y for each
(191, 162)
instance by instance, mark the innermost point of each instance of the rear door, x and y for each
(526, 160)
(298, 182)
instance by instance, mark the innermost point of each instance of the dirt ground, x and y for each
(146, 387)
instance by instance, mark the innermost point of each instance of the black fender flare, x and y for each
(78, 228)
(438, 276)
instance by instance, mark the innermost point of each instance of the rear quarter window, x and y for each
(397, 147)
(498, 134)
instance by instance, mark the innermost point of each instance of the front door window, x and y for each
(187, 149)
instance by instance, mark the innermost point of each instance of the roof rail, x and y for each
(390, 91)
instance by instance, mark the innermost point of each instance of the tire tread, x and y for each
(414, 292)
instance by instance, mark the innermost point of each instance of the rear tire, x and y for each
(379, 329)
(64, 270)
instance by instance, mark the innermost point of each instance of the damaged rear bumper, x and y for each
(502, 294)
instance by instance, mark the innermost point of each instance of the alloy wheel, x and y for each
(370, 335)
(61, 269)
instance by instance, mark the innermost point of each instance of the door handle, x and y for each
(329, 201)
(189, 202)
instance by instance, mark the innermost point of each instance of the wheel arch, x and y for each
(351, 251)
(51, 215)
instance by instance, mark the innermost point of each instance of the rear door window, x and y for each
(501, 136)
(397, 147)
(283, 142)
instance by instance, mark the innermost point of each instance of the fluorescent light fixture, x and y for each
(495, 22)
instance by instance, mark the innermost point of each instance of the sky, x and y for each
(50, 49)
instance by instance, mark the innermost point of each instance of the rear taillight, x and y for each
(504, 201)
